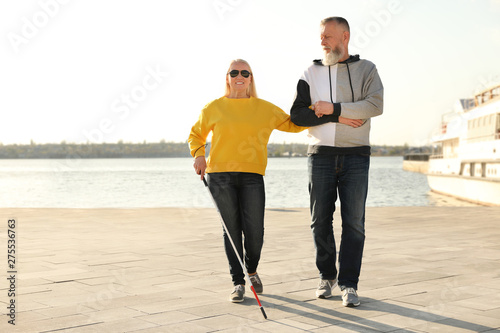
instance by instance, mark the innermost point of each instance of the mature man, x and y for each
(336, 97)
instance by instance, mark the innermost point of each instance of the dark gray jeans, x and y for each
(347, 176)
(240, 197)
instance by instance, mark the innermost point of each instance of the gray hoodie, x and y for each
(356, 91)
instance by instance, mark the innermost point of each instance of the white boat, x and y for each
(466, 164)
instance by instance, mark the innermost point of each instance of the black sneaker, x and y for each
(257, 283)
(238, 294)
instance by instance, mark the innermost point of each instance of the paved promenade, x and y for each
(425, 269)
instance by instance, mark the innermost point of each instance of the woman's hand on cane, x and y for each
(200, 164)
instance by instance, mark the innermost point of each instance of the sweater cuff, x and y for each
(337, 109)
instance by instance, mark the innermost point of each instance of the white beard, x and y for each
(332, 56)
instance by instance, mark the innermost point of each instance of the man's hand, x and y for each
(321, 108)
(351, 122)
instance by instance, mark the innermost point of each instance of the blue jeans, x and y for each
(346, 175)
(240, 198)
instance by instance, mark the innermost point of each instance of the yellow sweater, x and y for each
(241, 129)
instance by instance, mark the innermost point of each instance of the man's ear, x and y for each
(346, 36)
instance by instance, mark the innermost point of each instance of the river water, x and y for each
(171, 182)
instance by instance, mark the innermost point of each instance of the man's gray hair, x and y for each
(337, 19)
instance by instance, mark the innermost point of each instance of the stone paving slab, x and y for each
(425, 269)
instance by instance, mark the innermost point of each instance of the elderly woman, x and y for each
(241, 125)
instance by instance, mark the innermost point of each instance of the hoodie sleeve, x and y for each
(300, 112)
(371, 102)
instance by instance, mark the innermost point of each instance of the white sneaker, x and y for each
(238, 294)
(350, 297)
(325, 288)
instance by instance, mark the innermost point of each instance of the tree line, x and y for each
(151, 150)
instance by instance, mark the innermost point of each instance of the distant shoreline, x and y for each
(150, 150)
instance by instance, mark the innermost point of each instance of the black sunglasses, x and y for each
(235, 72)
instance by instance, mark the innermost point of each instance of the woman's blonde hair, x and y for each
(251, 91)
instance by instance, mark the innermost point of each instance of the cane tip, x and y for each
(263, 313)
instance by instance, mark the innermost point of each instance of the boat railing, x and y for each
(441, 155)
(496, 136)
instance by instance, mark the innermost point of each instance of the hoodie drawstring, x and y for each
(350, 82)
(330, 78)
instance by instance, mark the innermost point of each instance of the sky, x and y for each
(142, 70)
